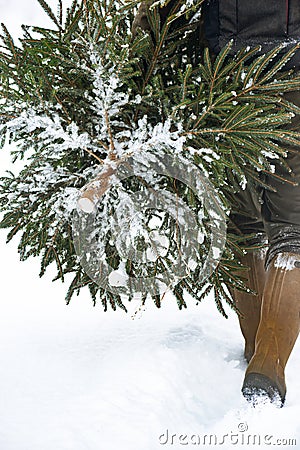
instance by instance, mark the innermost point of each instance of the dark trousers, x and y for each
(273, 215)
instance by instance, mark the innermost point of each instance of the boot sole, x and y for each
(258, 387)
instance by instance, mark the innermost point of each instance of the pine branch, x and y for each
(88, 99)
(50, 13)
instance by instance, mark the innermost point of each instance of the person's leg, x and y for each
(249, 304)
(280, 313)
(278, 330)
(245, 219)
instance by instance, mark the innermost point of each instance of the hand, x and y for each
(141, 19)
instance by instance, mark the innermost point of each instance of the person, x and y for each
(270, 319)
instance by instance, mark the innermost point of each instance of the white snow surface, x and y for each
(76, 378)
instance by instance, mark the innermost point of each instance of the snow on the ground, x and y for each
(76, 378)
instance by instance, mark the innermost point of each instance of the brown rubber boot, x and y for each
(277, 332)
(249, 305)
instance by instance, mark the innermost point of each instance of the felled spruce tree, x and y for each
(107, 124)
